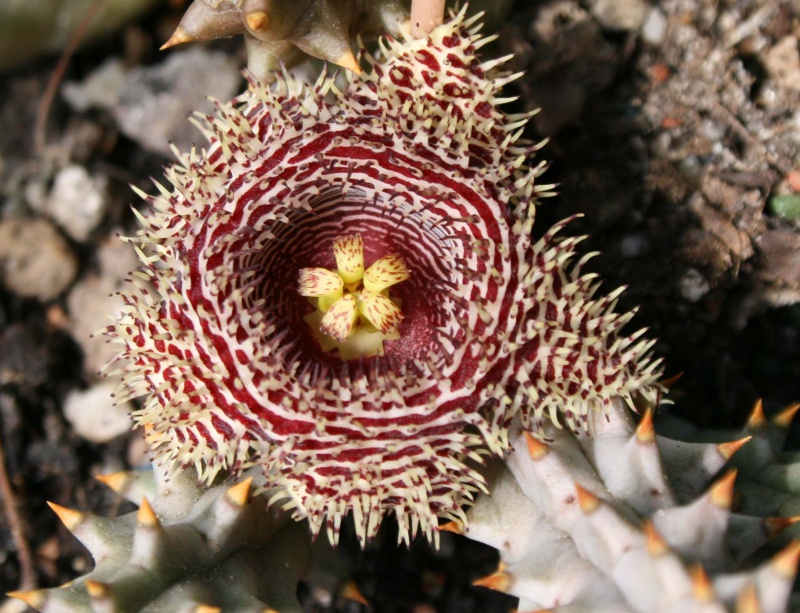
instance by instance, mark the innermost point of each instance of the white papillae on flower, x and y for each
(416, 158)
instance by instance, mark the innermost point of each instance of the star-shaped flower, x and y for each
(414, 169)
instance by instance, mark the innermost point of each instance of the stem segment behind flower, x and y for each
(425, 16)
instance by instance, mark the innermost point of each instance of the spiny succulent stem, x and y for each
(425, 16)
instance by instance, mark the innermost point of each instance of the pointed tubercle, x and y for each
(722, 490)
(669, 382)
(776, 525)
(146, 516)
(536, 448)
(645, 433)
(728, 449)
(587, 501)
(702, 587)
(498, 581)
(350, 591)
(456, 527)
(786, 560)
(784, 418)
(116, 481)
(96, 589)
(747, 600)
(348, 60)
(655, 544)
(69, 517)
(757, 418)
(258, 21)
(35, 599)
(178, 37)
(240, 493)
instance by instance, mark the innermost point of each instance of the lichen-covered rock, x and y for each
(628, 520)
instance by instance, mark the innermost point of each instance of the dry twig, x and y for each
(27, 572)
(58, 74)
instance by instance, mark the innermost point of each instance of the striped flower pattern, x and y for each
(415, 158)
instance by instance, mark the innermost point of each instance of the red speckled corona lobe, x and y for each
(416, 157)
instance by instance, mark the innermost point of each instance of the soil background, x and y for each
(674, 129)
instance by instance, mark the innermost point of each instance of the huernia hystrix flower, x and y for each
(415, 163)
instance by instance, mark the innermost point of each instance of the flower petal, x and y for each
(349, 254)
(338, 322)
(382, 313)
(385, 272)
(316, 282)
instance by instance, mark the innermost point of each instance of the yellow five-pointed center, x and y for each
(354, 311)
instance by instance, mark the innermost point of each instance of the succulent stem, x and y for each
(425, 16)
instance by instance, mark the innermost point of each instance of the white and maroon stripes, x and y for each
(416, 158)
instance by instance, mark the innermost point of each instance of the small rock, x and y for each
(78, 201)
(93, 415)
(783, 63)
(634, 245)
(93, 303)
(654, 29)
(137, 454)
(100, 89)
(24, 359)
(36, 261)
(619, 14)
(155, 101)
(693, 285)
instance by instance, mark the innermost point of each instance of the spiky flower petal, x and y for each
(416, 158)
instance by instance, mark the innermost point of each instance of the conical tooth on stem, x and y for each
(132, 485)
(96, 589)
(655, 544)
(35, 599)
(775, 525)
(499, 580)
(670, 381)
(698, 530)
(784, 418)
(350, 591)
(747, 600)
(702, 588)
(645, 432)
(71, 518)
(536, 448)
(204, 22)
(148, 537)
(722, 490)
(728, 449)
(456, 527)
(588, 502)
(757, 418)
(146, 516)
(786, 561)
(240, 493)
(178, 37)
(690, 466)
